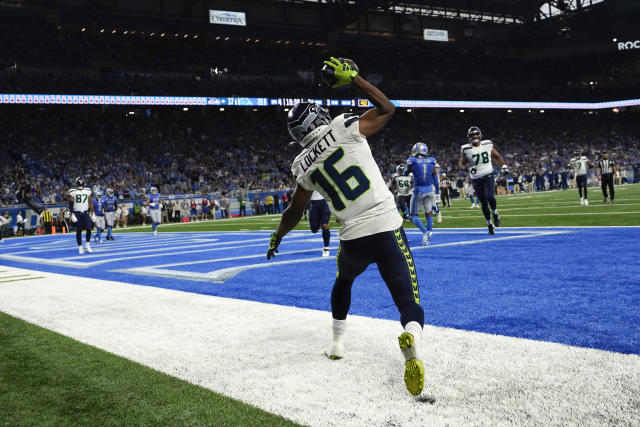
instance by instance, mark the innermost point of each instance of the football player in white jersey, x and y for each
(403, 186)
(319, 216)
(579, 164)
(337, 162)
(476, 157)
(81, 204)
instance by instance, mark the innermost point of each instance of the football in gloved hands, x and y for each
(328, 72)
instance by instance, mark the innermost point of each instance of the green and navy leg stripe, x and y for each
(410, 264)
(338, 260)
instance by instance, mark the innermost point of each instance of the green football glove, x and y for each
(274, 242)
(342, 71)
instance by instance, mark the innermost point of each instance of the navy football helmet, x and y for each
(474, 134)
(80, 182)
(419, 149)
(577, 153)
(305, 117)
(400, 169)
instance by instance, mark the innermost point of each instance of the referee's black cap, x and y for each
(605, 151)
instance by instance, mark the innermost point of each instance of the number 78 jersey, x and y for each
(478, 158)
(339, 165)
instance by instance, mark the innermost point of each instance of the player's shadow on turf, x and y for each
(426, 399)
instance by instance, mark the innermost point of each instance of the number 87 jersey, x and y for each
(478, 158)
(337, 162)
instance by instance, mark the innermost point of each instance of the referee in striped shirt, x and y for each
(606, 170)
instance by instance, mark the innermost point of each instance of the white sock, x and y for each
(495, 212)
(338, 327)
(415, 330)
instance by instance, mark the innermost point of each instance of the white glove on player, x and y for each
(437, 198)
(93, 217)
(73, 218)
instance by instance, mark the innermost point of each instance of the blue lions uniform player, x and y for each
(98, 219)
(109, 204)
(153, 201)
(425, 178)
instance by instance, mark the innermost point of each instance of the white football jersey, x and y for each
(80, 198)
(404, 184)
(579, 165)
(478, 158)
(339, 165)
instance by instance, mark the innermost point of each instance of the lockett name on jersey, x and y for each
(316, 150)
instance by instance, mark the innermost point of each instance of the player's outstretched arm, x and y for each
(292, 215)
(497, 155)
(375, 119)
(290, 218)
(463, 162)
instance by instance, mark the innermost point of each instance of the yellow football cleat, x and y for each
(414, 368)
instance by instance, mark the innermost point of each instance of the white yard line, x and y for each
(270, 356)
(223, 274)
(555, 214)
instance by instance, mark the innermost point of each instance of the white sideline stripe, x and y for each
(223, 274)
(270, 356)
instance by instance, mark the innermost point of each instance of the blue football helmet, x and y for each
(109, 192)
(419, 149)
(305, 117)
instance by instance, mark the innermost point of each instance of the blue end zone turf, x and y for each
(578, 286)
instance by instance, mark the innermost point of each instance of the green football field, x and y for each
(546, 209)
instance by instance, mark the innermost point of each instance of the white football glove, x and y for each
(93, 217)
(437, 198)
(73, 218)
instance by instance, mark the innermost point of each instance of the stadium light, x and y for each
(408, 110)
(102, 30)
(185, 109)
(84, 29)
(126, 31)
(221, 108)
(462, 111)
(113, 32)
(162, 35)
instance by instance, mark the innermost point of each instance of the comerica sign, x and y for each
(226, 17)
(629, 45)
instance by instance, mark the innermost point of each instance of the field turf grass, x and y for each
(550, 209)
(47, 379)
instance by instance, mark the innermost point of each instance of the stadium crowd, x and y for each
(241, 151)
